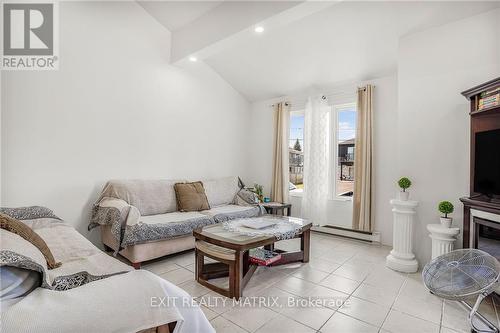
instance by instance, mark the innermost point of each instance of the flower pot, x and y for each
(445, 221)
(403, 196)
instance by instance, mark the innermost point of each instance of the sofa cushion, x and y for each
(162, 226)
(230, 212)
(171, 217)
(150, 197)
(227, 209)
(221, 191)
(191, 197)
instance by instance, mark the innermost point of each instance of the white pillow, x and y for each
(221, 191)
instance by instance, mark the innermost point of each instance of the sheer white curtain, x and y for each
(316, 157)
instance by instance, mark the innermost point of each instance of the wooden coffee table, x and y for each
(230, 250)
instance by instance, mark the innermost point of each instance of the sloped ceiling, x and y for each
(346, 41)
(175, 15)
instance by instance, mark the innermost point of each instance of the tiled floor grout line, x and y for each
(302, 297)
(334, 312)
(352, 295)
(441, 318)
(495, 308)
(337, 309)
(393, 302)
(244, 329)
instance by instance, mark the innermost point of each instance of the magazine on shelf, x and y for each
(263, 257)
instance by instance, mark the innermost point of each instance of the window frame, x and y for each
(334, 140)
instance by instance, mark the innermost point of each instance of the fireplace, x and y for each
(488, 239)
(486, 236)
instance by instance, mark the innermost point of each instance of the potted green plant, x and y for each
(404, 183)
(259, 191)
(445, 207)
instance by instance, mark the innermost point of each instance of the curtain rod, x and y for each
(323, 97)
(286, 104)
(364, 88)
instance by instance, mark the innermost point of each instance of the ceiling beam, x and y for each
(226, 23)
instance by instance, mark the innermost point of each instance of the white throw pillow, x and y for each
(221, 191)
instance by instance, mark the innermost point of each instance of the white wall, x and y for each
(385, 131)
(115, 109)
(433, 121)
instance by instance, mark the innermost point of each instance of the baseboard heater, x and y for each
(365, 236)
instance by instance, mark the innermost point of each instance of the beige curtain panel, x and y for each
(363, 162)
(279, 187)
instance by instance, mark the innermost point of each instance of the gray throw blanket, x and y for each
(82, 261)
(136, 232)
(130, 228)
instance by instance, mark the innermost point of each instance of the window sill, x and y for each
(295, 193)
(339, 198)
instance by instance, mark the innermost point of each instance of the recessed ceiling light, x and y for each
(193, 59)
(259, 29)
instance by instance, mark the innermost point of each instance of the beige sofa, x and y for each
(139, 218)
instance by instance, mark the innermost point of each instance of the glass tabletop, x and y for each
(220, 234)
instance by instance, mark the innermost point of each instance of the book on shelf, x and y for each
(489, 101)
(489, 98)
(263, 257)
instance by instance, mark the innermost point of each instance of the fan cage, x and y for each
(461, 274)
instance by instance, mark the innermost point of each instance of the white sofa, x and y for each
(139, 218)
(90, 292)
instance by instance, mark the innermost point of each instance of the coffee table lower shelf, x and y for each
(237, 266)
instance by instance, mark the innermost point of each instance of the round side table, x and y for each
(442, 239)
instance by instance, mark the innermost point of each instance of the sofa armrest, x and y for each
(128, 213)
(109, 211)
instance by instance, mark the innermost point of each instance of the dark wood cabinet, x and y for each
(481, 119)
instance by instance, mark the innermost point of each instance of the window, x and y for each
(296, 151)
(342, 151)
(344, 146)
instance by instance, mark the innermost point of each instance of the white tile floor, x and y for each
(357, 293)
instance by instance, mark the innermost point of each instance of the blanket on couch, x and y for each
(81, 261)
(129, 228)
(141, 211)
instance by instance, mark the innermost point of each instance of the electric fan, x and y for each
(462, 274)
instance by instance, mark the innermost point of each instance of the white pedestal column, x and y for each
(443, 239)
(401, 257)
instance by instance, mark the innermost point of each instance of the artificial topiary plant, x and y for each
(445, 207)
(404, 183)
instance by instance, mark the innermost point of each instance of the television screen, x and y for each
(487, 163)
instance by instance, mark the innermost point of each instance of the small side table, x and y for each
(276, 207)
(442, 239)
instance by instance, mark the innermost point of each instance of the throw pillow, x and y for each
(191, 197)
(246, 197)
(17, 227)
